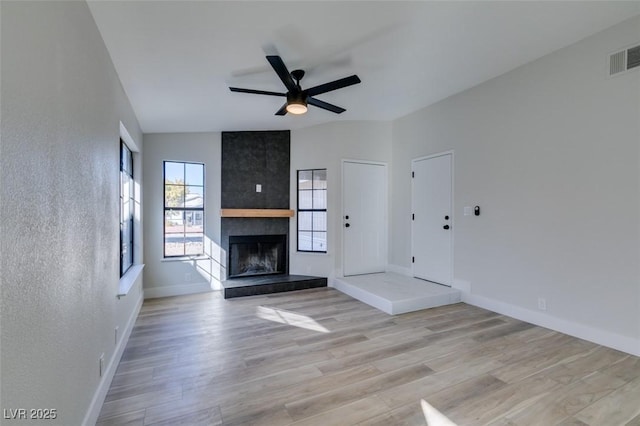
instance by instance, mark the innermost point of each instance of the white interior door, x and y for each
(364, 217)
(432, 225)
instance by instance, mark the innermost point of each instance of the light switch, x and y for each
(259, 188)
(468, 210)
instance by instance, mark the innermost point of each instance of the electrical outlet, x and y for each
(542, 303)
(116, 333)
(101, 365)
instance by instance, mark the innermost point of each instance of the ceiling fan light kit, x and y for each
(297, 98)
(296, 109)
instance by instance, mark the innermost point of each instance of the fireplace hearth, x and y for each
(251, 255)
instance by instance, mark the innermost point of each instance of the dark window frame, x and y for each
(126, 159)
(182, 209)
(312, 210)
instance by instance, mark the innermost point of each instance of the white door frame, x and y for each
(386, 203)
(453, 224)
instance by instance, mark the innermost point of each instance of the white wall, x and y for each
(168, 277)
(62, 104)
(322, 146)
(325, 146)
(550, 151)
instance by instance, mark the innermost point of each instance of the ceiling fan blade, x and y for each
(283, 110)
(325, 105)
(256, 92)
(334, 85)
(281, 69)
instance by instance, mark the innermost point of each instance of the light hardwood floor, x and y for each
(319, 357)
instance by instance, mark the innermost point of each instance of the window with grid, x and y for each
(312, 210)
(183, 209)
(127, 206)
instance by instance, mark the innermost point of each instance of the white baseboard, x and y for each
(400, 270)
(98, 398)
(581, 331)
(177, 290)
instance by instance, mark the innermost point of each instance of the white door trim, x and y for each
(453, 209)
(342, 202)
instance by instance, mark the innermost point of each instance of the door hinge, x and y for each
(413, 174)
(413, 259)
(413, 216)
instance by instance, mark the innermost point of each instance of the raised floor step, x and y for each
(396, 294)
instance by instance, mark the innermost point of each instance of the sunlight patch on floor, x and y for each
(434, 417)
(291, 318)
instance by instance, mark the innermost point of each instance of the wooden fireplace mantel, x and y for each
(256, 213)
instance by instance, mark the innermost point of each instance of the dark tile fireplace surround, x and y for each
(255, 265)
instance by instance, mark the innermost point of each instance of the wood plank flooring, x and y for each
(319, 357)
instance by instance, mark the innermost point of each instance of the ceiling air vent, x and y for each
(633, 57)
(617, 62)
(624, 60)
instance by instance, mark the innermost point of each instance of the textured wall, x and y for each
(61, 107)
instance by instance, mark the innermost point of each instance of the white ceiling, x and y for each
(176, 59)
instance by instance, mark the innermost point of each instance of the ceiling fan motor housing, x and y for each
(297, 97)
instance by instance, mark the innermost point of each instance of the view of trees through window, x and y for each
(183, 209)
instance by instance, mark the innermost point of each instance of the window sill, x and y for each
(313, 253)
(128, 279)
(183, 258)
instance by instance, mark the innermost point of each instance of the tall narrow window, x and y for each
(127, 206)
(183, 209)
(312, 210)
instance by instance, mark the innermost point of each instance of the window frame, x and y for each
(131, 196)
(311, 210)
(182, 209)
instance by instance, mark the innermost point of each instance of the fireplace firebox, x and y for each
(251, 255)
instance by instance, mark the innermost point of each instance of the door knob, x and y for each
(346, 225)
(346, 217)
(445, 227)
